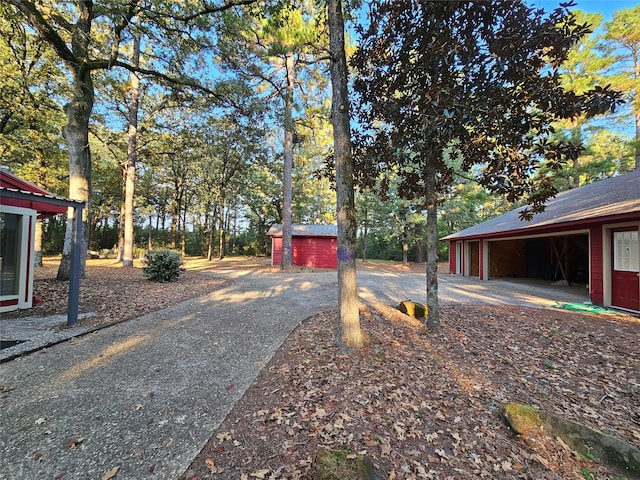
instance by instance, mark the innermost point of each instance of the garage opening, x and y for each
(557, 258)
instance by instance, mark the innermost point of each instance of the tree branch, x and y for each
(209, 9)
(47, 32)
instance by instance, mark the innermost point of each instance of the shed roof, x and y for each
(305, 230)
(19, 193)
(613, 197)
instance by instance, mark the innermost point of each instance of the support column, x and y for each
(74, 278)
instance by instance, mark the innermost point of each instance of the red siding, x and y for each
(312, 252)
(276, 250)
(315, 252)
(453, 249)
(596, 283)
(481, 260)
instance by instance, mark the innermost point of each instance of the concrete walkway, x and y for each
(146, 395)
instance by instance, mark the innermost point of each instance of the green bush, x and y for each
(162, 265)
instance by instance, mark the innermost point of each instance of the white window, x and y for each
(16, 261)
(626, 251)
(10, 253)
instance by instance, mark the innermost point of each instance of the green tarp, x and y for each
(584, 308)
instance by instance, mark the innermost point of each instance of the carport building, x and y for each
(586, 235)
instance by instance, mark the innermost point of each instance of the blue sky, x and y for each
(605, 7)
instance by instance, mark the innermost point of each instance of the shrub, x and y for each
(162, 265)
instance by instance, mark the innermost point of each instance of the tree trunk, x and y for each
(41, 182)
(76, 134)
(222, 235)
(433, 315)
(637, 142)
(636, 76)
(419, 251)
(183, 240)
(363, 238)
(122, 214)
(287, 174)
(132, 157)
(149, 244)
(175, 222)
(37, 246)
(405, 244)
(349, 334)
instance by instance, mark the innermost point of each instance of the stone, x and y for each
(413, 309)
(612, 451)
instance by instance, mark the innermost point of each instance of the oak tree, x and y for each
(87, 36)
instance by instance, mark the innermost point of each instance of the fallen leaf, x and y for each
(110, 473)
(223, 436)
(74, 442)
(261, 474)
(212, 467)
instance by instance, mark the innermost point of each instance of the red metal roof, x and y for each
(16, 192)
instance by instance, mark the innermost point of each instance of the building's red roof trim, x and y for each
(17, 192)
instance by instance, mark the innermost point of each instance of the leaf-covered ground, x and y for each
(424, 405)
(114, 293)
(420, 404)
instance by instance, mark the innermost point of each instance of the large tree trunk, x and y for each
(405, 242)
(349, 334)
(37, 246)
(363, 238)
(122, 214)
(636, 75)
(222, 234)
(287, 174)
(433, 315)
(76, 134)
(637, 143)
(41, 182)
(419, 251)
(132, 157)
(150, 232)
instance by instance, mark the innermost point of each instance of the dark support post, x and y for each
(74, 278)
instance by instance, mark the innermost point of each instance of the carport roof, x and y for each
(306, 230)
(612, 197)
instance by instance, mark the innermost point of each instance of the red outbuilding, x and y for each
(587, 235)
(314, 246)
(21, 203)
